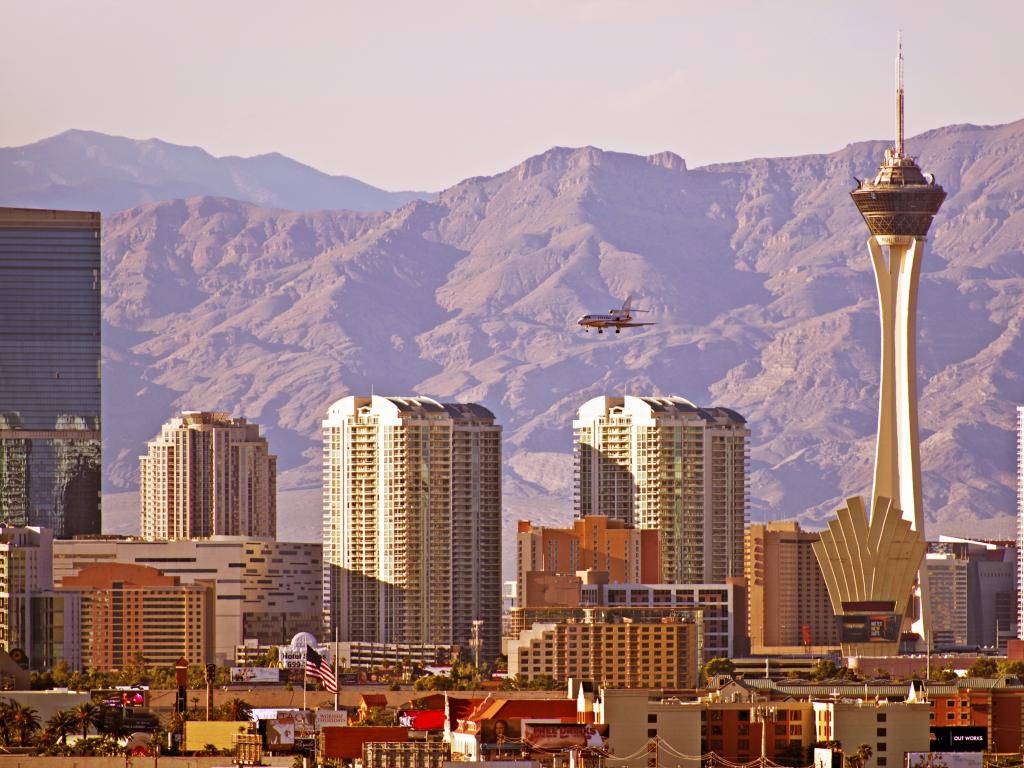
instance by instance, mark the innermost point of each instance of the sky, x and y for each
(408, 94)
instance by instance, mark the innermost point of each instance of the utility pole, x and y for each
(763, 714)
(211, 675)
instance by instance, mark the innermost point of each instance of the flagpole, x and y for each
(304, 663)
(337, 685)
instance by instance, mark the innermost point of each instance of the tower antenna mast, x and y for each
(899, 93)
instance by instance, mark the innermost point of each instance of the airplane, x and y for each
(616, 318)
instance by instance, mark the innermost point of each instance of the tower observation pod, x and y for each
(871, 566)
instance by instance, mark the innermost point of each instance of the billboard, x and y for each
(290, 727)
(494, 733)
(255, 675)
(331, 718)
(944, 759)
(870, 628)
(199, 733)
(565, 735)
(959, 738)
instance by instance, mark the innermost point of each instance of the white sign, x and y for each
(255, 674)
(331, 718)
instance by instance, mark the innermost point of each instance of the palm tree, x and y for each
(6, 711)
(860, 758)
(87, 715)
(236, 709)
(62, 723)
(25, 721)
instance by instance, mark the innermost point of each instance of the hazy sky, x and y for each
(421, 94)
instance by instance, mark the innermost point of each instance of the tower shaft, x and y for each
(897, 451)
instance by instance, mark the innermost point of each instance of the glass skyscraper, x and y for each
(50, 370)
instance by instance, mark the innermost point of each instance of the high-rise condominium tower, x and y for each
(50, 370)
(412, 522)
(208, 474)
(664, 463)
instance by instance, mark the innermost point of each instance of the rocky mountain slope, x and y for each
(756, 273)
(90, 171)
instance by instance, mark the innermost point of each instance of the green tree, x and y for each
(983, 667)
(717, 666)
(860, 758)
(61, 673)
(1015, 668)
(6, 712)
(62, 723)
(942, 675)
(87, 715)
(236, 709)
(378, 716)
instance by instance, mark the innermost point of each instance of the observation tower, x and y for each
(871, 566)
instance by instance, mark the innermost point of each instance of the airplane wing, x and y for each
(633, 325)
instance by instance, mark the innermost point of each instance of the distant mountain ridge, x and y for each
(89, 170)
(756, 273)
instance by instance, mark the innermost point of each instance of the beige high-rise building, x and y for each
(788, 599)
(208, 474)
(412, 522)
(663, 463)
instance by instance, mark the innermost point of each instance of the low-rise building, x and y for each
(719, 610)
(891, 729)
(262, 590)
(361, 655)
(638, 718)
(623, 654)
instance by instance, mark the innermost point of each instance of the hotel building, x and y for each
(621, 654)
(789, 602)
(261, 590)
(133, 612)
(662, 463)
(207, 474)
(412, 522)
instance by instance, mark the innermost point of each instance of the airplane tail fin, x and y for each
(626, 305)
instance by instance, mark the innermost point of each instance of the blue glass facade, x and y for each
(50, 459)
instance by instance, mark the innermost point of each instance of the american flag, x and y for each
(318, 667)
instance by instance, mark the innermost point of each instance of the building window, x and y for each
(881, 762)
(880, 732)
(652, 733)
(880, 717)
(652, 718)
(880, 746)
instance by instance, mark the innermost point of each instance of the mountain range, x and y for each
(93, 171)
(756, 273)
